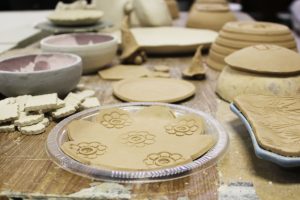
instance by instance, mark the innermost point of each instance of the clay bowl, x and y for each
(96, 50)
(40, 74)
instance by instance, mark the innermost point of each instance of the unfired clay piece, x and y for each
(122, 140)
(196, 70)
(209, 16)
(123, 72)
(152, 13)
(173, 8)
(153, 90)
(268, 59)
(274, 120)
(232, 83)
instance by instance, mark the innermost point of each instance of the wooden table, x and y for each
(27, 172)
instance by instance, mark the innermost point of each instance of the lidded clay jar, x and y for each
(209, 16)
(237, 35)
(260, 69)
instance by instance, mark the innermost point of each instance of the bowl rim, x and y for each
(45, 42)
(78, 61)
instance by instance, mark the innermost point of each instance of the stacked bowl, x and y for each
(238, 35)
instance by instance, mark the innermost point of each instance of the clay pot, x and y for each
(209, 16)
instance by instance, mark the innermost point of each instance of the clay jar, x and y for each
(237, 35)
(209, 16)
(260, 69)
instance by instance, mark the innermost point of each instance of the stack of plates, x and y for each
(238, 35)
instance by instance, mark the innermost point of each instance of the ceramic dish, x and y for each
(96, 50)
(58, 136)
(262, 153)
(168, 40)
(40, 74)
(49, 27)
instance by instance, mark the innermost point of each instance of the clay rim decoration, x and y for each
(259, 151)
(76, 60)
(87, 40)
(55, 138)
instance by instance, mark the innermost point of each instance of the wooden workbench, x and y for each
(27, 172)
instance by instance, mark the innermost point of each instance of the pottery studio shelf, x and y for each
(27, 172)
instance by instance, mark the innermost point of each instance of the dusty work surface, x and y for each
(26, 171)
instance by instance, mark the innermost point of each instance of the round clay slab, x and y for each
(256, 38)
(153, 90)
(265, 59)
(259, 28)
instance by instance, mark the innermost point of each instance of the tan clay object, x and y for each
(152, 137)
(209, 16)
(153, 90)
(119, 72)
(196, 70)
(173, 8)
(152, 13)
(257, 28)
(132, 53)
(238, 35)
(267, 59)
(275, 121)
(212, 1)
(256, 38)
(161, 68)
(232, 83)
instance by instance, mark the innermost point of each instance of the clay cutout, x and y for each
(274, 120)
(161, 68)
(185, 126)
(114, 118)
(146, 132)
(138, 138)
(153, 90)
(162, 159)
(232, 83)
(132, 53)
(159, 74)
(272, 60)
(196, 70)
(119, 72)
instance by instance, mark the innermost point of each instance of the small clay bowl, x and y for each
(96, 50)
(40, 74)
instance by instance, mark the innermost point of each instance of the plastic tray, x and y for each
(262, 153)
(58, 136)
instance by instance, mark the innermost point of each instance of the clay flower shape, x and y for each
(90, 150)
(138, 138)
(162, 159)
(116, 120)
(182, 127)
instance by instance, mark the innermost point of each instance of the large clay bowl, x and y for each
(40, 74)
(96, 50)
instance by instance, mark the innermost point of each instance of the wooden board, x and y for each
(27, 172)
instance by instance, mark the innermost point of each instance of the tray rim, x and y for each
(283, 161)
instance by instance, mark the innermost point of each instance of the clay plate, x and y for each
(153, 90)
(283, 161)
(58, 136)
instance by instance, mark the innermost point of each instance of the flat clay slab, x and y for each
(274, 120)
(152, 138)
(166, 90)
(119, 72)
(256, 28)
(272, 60)
(167, 40)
